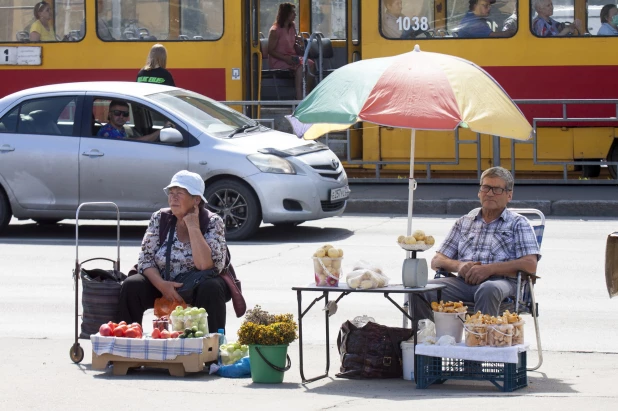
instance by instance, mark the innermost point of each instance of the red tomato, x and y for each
(156, 333)
(105, 330)
(165, 334)
(112, 325)
(174, 334)
(120, 330)
(132, 333)
(138, 326)
(122, 323)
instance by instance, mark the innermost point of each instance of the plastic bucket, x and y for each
(449, 324)
(268, 363)
(407, 353)
(327, 271)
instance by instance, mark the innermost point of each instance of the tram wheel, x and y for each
(613, 156)
(591, 171)
(76, 353)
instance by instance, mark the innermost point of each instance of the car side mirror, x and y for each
(170, 135)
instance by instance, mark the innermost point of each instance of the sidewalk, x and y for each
(452, 199)
(39, 375)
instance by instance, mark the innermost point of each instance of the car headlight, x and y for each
(268, 163)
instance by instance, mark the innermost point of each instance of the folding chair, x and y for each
(524, 302)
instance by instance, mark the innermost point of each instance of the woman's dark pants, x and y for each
(138, 295)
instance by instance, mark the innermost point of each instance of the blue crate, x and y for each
(506, 376)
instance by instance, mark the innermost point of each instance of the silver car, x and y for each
(51, 159)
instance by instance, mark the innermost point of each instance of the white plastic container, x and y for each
(407, 354)
(449, 324)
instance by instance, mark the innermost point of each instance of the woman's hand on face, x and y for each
(192, 219)
(168, 289)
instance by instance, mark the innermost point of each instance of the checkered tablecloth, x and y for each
(146, 349)
(461, 351)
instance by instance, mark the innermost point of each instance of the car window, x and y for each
(49, 116)
(8, 123)
(134, 123)
(214, 118)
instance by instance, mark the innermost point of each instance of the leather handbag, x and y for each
(371, 351)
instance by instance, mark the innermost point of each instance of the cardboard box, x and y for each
(178, 366)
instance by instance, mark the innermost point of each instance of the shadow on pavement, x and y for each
(131, 235)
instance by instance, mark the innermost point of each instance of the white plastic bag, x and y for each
(366, 275)
(426, 332)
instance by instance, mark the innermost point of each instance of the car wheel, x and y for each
(47, 221)
(237, 205)
(5, 211)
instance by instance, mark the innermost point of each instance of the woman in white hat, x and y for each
(197, 245)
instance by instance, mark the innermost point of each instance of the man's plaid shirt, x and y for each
(507, 238)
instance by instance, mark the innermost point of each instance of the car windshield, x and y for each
(216, 119)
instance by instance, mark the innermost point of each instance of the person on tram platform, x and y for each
(281, 53)
(43, 28)
(544, 26)
(117, 118)
(486, 248)
(475, 24)
(609, 20)
(155, 69)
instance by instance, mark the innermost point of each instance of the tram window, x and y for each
(552, 18)
(355, 21)
(17, 17)
(467, 19)
(134, 19)
(329, 18)
(201, 20)
(268, 14)
(600, 18)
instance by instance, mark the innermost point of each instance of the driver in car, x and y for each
(117, 118)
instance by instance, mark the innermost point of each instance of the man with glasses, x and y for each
(485, 248)
(117, 118)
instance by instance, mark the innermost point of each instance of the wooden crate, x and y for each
(176, 367)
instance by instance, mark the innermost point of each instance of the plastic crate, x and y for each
(506, 376)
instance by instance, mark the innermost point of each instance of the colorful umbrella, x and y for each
(416, 90)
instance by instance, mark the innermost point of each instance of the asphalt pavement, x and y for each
(458, 199)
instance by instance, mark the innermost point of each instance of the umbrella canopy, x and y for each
(416, 90)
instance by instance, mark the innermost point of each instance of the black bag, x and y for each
(372, 351)
(100, 298)
(190, 281)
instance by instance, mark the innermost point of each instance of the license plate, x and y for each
(340, 193)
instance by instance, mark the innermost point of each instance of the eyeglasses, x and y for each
(120, 113)
(496, 190)
(176, 194)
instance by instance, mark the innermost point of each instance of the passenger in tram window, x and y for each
(475, 23)
(544, 26)
(103, 30)
(281, 53)
(609, 20)
(43, 28)
(154, 71)
(394, 21)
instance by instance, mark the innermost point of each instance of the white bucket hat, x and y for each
(192, 182)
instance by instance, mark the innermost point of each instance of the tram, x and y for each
(215, 48)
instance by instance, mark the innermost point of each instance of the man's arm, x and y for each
(479, 273)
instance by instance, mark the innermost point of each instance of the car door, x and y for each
(128, 172)
(39, 143)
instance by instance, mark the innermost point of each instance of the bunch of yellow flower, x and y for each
(261, 328)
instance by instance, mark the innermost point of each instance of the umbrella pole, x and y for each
(411, 181)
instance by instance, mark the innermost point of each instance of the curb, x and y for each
(459, 207)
